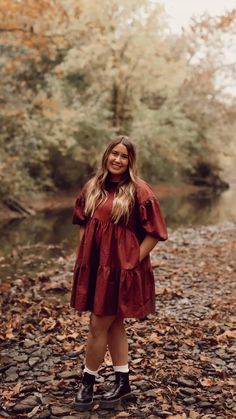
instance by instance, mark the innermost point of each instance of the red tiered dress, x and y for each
(108, 277)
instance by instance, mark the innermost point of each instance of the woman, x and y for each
(120, 223)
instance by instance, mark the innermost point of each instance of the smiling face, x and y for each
(118, 161)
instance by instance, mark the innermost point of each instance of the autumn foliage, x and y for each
(74, 73)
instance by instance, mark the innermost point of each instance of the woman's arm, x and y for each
(146, 246)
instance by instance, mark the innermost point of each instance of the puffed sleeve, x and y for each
(150, 215)
(79, 216)
(152, 220)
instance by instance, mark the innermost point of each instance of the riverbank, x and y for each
(63, 199)
(182, 359)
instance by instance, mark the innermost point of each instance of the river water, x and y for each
(50, 234)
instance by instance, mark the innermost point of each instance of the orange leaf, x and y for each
(207, 382)
(9, 334)
(227, 334)
(189, 342)
(154, 338)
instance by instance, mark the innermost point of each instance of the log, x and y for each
(15, 205)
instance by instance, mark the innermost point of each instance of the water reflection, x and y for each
(49, 227)
(200, 209)
(55, 227)
(189, 211)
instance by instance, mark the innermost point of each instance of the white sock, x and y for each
(86, 369)
(121, 368)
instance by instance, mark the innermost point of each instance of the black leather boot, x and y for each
(121, 391)
(84, 397)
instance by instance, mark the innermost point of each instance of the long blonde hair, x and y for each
(124, 196)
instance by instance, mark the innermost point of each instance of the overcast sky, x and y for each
(180, 11)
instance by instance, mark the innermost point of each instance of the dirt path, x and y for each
(182, 359)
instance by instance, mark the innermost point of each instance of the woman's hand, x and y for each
(146, 246)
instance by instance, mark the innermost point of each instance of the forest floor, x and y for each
(182, 360)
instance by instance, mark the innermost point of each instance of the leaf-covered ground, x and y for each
(182, 360)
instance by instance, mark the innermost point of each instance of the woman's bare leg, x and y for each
(97, 340)
(118, 342)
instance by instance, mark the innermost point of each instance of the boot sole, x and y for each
(83, 406)
(109, 404)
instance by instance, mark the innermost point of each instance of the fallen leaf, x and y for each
(33, 412)
(206, 382)
(227, 334)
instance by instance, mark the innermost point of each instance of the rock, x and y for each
(170, 347)
(45, 414)
(218, 361)
(186, 382)
(171, 355)
(14, 353)
(45, 352)
(162, 413)
(37, 352)
(45, 378)
(232, 366)
(11, 374)
(23, 373)
(72, 354)
(189, 400)
(37, 373)
(187, 391)
(215, 389)
(26, 405)
(68, 374)
(33, 361)
(231, 350)
(7, 366)
(28, 319)
(222, 354)
(217, 405)
(29, 389)
(4, 415)
(82, 415)
(58, 393)
(21, 358)
(143, 385)
(60, 411)
(56, 360)
(151, 393)
(138, 414)
(29, 343)
(205, 404)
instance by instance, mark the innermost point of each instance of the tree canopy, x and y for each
(75, 73)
